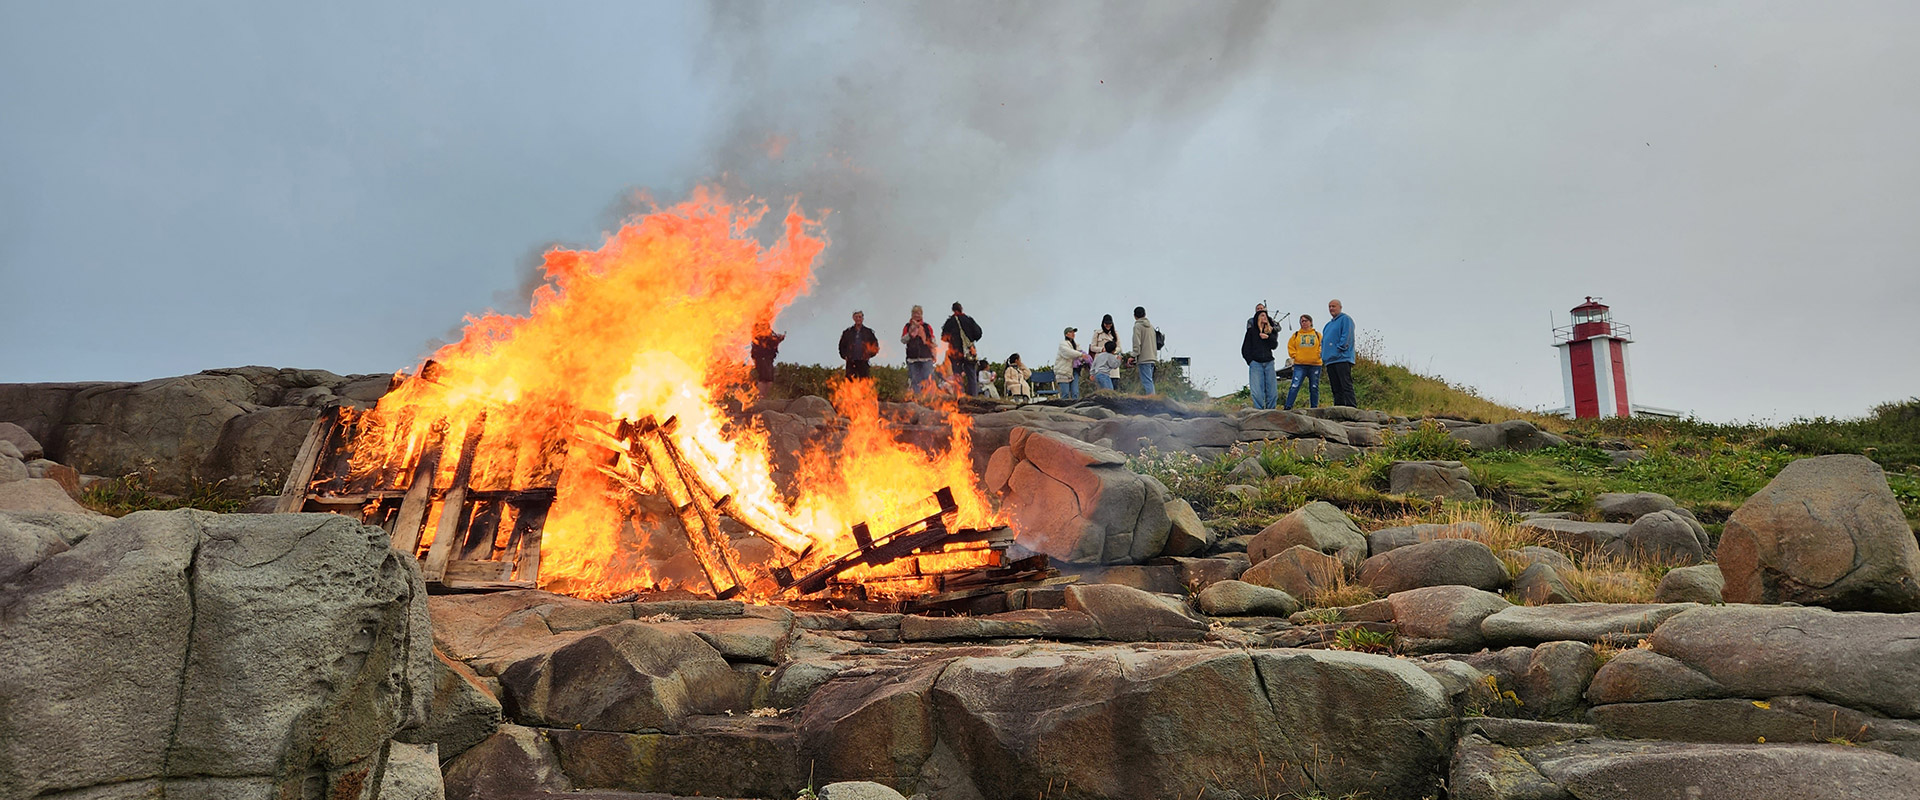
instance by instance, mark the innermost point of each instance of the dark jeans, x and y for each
(968, 374)
(859, 369)
(1341, 376)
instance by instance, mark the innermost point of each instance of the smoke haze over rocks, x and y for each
(335, 186)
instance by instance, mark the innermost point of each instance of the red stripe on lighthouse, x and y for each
(1586, 398)
(1620, 378)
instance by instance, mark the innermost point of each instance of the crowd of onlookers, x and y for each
(1100, 362)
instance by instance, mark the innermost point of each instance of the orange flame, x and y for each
(654, 324)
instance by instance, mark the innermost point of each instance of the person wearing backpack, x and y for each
(1257, 347)
(1147, 342)
(960, 332)
(1304, 350)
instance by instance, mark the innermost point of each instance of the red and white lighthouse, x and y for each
(1594, 368)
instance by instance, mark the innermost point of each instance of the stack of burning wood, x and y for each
(476, 538)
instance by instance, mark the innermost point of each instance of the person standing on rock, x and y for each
(960, 333)
(1336, 352)
(858, 346)
(1106, 366)
(1257, 347)
(1066, 360)
(917, 335)
(1146, 348)
(1304, 350)
(766, 347)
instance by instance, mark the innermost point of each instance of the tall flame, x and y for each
(654, 324)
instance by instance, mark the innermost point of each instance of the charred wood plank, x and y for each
(293, 495)
(453, 503)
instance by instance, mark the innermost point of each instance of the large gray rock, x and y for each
(1126, 614)
(167, 428)
(28, 538)
(1674, 771)
(1576, 536)
(516, 762)
(1300, 571)
(1445, 617)
(1441, 562)
(1826, 531)
(1078, 503)
(628, 677)
(1483, 770)
(1556, 678)
(1664, 537)
(460, 713)
(27, 447)
(1014, 723)
(1186, 535)
(256, 450)
(1861, 660)
(1385, 539)
(1639, 675)
(1780, 720)
(1514, 434)
(1319, 525)
(1630, 506)
(412, 773)
(1700, 584)
(279, 652)
(1583, 622)
(39, 495)
(1435, 480)
(1240, 599)
(1540, 584)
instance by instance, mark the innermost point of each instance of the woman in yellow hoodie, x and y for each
(1304, 350)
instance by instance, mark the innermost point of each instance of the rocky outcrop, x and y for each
(1826, 531)
(1440, 562)
(1515, 434)
(1317, 525)
(1701, 584)
(220, 654)
(1078, 503)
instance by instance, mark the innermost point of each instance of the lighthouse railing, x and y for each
(1565, 333)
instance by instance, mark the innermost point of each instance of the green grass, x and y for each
(125, 495)
(1397, 389)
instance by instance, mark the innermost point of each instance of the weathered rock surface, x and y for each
(1439, 618)
(1826, 531)
(628, 677)
(1664, 537)
(1441, 562)
(1318, 525)
(1540, 584)
(1860, 660)
(1669, 771)
(1515, 434)
(39, 495)
(1300, 571)
(1630, 506)
(1638, 675)
(1079, 503)
(1238, 599)
(272, 652)
(1582, 622)
(1576, 536)
(1437, 480)
(1385, 539)
(1699, 584)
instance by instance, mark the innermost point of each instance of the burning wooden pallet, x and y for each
(477, 530)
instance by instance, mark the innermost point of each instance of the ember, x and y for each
(587, 448)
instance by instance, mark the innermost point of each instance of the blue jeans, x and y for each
(1068, 383)
(1311, 374)
(1146, 377)
(1103, 380)
(918, 374)
(1262, 384)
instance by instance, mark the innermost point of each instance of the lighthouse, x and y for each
(1594, 369)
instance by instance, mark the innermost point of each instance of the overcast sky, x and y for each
(190, 185)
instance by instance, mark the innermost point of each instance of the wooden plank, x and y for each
(468, 570)
(413, 507)
(526, 556)
(453, 504)
(650, 444)
(476, 542)
(293, 495)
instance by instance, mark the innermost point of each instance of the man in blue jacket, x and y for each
(1336, 352)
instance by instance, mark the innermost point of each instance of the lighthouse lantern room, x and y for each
(1594, 369)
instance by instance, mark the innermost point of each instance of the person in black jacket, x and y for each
(858, 346)
(1257, 348)
(766, 347)
(960, 332)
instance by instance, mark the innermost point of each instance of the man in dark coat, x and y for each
(858, 346)
(960, 332)
(766, 347)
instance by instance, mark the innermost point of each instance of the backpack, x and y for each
(1159, 339)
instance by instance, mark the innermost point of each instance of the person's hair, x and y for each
(859, 313)
(1307, 317)
(1110, 346)
(1263, 320)
(1139, 312)
(1015, 358)
(917, 308)
(956, 305)
(1106, 322)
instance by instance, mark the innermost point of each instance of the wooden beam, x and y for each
(650, 445)
(293, 495)
(453, 504)
(413, 508)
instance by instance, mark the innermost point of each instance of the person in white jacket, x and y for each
(1069, 352)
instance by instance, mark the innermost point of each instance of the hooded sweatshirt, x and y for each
(1255, 350)
(1336, 341)
(1304, 348)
